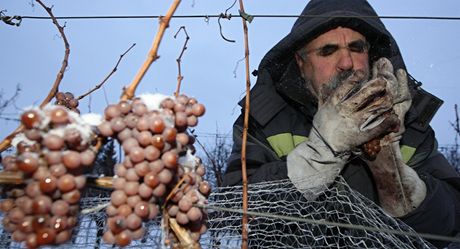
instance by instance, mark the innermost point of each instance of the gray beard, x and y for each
(327, 89)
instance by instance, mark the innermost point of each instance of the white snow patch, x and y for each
(92, 119)
(189, 161)
(21, 138)
(81, 123)
(153, 100)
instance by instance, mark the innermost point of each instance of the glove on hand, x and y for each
(354, 113)
(399, 187)
(348, 116)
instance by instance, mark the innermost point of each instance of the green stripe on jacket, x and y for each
(284, 143)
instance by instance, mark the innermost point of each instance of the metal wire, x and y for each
(449, 18)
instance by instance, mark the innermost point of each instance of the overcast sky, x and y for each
(31, 54)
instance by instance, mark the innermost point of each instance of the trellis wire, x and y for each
(279, 217)
(447, 18)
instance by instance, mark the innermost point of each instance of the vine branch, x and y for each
(179, 59)
(108, 76)
(128, 92)
(244, 232)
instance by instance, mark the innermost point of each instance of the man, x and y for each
(330, 92)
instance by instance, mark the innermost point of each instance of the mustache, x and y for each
(328, 88)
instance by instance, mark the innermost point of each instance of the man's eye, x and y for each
(327, 50)
(358, 47)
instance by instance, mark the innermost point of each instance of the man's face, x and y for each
(337, 51)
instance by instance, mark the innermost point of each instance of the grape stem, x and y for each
(128, 92)
(174, 190)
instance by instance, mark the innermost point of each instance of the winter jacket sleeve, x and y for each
(439, 213)
(261, 162)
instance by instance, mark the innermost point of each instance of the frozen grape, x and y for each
(133, 221)
(71, 159)
(198, 109)
(66, 183)
(165, 176)
(48, 184)
(30, 119)
(45, 236)
(124, 210)
(112, 111)
(170, 159)
(72, 197)
(105, 128)
(60, 208)
(27, 162)
(142, 209)
(123, 238)
(59, 116)
(124, 107)
(42, 204)
(62, 236)
(53, 142)
(118, 197)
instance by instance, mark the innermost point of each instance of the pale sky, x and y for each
(31, 54)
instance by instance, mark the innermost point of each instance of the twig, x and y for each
(128, 92)
(457, 122)
(236, 66)
(54, 89)
(179, 59)
(10, 119)
(208, 155)
(109, 75)
(174, 191)
(11, 100)
(244, 244)
(65, 61)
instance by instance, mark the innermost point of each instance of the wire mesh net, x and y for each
(280, 217)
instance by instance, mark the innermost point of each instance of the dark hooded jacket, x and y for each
(282, 110)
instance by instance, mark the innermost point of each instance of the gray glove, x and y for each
(348, 116)
(399, 187)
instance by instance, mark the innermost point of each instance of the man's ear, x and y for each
(299, 61)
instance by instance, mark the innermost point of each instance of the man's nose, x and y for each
(345, 60)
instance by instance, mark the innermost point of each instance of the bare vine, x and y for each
(179, 59)
(244, 232)
(128, 92)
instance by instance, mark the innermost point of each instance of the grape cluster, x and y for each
(54, 149)
(152, 131)
(68, 100)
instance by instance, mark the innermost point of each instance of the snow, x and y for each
(92, 119)
(153, 100)
(189, 161)
(21, 138)
(81, 123)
